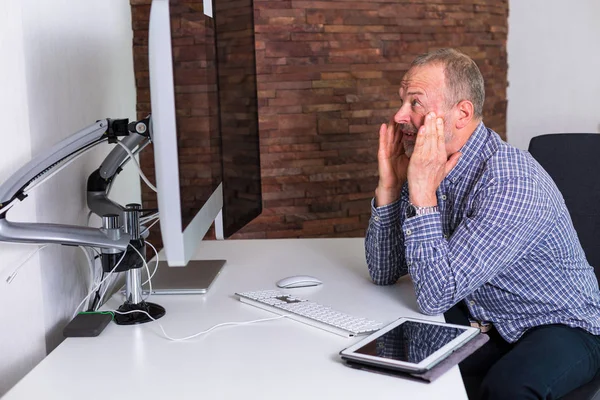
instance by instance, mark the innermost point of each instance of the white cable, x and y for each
(149, 217)
(98, 285)
(94, 277)
(135, 152)
(104, 290)
(144, 223)
(147, 271)
(160, 325)
(91, 266)
(151, 186)
(113, 278)
(155, 264)
(12, 276)
(199, 333)
(97, 266)
(155, 219)
(148, 228)
(139, 148)
(89, 216)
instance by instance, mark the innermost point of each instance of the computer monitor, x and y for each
(231, 195)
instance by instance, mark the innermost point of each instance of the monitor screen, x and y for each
(238, 113)
(193, 45)
(204, 121)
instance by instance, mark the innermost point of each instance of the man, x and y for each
(479, 224)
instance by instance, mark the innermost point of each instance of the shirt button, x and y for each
(444, 197)
(376, 218)
(408, 232)
(472, 302)
(445, 236)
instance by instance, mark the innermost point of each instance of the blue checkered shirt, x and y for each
(503, 242)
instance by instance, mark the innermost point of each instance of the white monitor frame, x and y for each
(179, 245)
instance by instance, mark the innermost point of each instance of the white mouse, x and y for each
(298, 281)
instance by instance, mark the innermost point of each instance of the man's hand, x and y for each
(393, 164)
(429, 163)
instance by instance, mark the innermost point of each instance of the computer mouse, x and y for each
(298, 281)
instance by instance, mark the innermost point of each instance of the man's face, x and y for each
(422, 90)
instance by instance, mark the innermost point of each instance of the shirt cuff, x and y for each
(385, 216)
(423, 227)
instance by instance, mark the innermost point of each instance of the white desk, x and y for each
(267, 360)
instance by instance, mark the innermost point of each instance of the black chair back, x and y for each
(573, 162)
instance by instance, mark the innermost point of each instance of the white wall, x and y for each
(22, 339)
(553, 68)
(65, 64)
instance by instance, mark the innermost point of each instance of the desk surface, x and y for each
(280, 358)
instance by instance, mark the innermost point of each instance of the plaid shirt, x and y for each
(503, 242)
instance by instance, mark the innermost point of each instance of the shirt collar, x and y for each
(470, 152)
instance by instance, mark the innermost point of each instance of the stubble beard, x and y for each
(408, 148)
(409, 142)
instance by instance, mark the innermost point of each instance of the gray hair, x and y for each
(463, 78)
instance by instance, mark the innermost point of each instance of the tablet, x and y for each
(409, 345)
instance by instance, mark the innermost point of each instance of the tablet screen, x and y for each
(411, 341)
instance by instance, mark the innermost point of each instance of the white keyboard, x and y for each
(310, 313)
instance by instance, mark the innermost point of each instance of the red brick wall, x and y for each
(328, 76)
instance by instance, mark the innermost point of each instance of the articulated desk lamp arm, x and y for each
(111, 238)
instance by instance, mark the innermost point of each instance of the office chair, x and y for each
(573, 162)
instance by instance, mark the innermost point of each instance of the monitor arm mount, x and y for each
(119, 237)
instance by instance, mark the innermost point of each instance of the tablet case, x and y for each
(429, 376)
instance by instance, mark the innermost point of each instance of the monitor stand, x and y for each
(195, 278)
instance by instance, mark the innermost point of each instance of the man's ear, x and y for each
(465, 111)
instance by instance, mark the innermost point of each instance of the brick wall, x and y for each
(328, 75)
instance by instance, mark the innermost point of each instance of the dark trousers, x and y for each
(547, 362)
